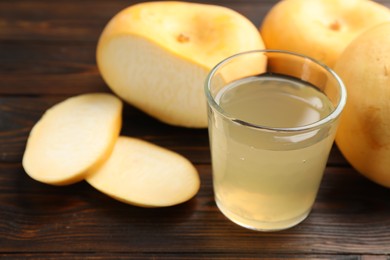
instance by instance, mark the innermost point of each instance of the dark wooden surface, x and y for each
(47, 53)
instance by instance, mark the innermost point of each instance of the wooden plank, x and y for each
(19, 114)
(55, 20)
(55, 69)
(194, 256)
(351, 216)
(60, 59)
(59, 55)
(45, 20)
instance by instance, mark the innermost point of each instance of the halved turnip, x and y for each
(144, 174)
(72, 138)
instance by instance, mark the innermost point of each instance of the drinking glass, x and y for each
(273, 116)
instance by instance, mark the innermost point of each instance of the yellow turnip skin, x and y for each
(320, 29)
(364, 132)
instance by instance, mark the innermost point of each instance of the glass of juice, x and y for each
(272, 121)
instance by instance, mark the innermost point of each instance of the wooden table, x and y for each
(47, 53)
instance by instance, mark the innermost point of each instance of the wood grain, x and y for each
(47, 53)
(349, 217)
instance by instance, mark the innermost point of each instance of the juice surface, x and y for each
(274, 102)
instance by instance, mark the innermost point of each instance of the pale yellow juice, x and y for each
(263, 180)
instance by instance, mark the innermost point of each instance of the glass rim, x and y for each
(330, 117)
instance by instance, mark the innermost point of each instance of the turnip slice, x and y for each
(144, 174)
(72, 138)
